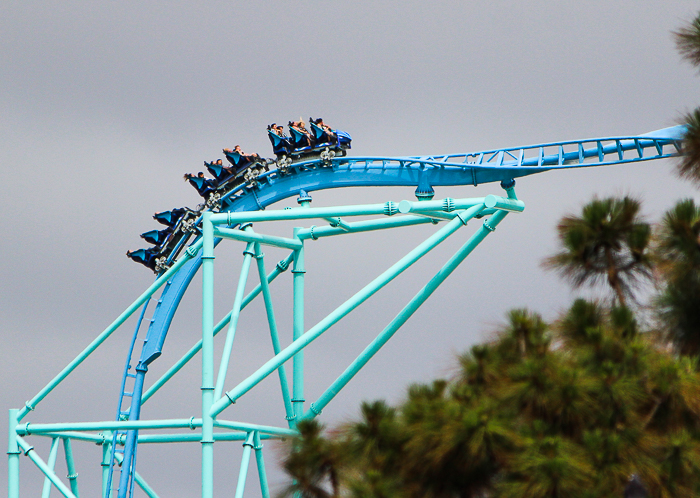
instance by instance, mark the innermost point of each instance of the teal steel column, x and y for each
(233, 322)
(272, 323)
(106, 456)
(70, 466)
(262, 475)
(245, 462)
(415, 303)
(51, 464)
(207, 355)
(13, 453)
(297, 331)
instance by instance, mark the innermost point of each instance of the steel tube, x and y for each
(305, 213)
(274, 335)
(248, 236)
(245, 462)
(78, 436)
(106, 463)
(70, 465)
(233, 322)
(30, 405)
(297, 331)
(345, 308)
(159, 438)
(300, 213)
(51, 464)
(404, 315)
(281, 267)
(28, 429)
(361, 226)
(44, 468)
(259, 460)
(13, 453)
(449, 205)
(207, 355)
(196, 437)
(264, 429)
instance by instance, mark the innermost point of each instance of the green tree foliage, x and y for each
(569, 409)
(609, 241)
(678, 254)
(688, 43)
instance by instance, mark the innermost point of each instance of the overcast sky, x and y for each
(104, 106)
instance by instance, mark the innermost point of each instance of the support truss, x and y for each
(448, 214)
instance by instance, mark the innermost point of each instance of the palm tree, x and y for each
(678, 240)
(677, 250)
(608, 241)
(688, 43)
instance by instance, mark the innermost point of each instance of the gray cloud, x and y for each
(105, 106)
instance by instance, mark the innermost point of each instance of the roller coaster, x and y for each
(236, 196)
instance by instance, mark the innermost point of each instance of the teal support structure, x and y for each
(224, 220)
(365, 293)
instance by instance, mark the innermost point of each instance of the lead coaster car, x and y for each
(296, 147)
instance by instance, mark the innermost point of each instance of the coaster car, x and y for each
(326, 137)
(157, 237)
(170, 218)
(217, 169)
(168, 242)
(202, 184)
(303, 144)
(144, 256)
(281, 143)
(240, 161)
(244, 168)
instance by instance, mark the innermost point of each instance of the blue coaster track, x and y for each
(424, 173)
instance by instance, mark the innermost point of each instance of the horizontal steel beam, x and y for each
(388, 208)
(249, 236)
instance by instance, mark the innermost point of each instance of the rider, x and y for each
(329, 132)
(247, 157)
(300, 126)
(277, 129)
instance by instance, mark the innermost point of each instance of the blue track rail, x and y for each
(424, 173)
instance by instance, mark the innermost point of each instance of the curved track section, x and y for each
(424, 173)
